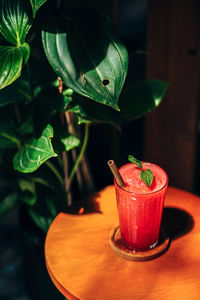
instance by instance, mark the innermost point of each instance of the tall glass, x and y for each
(140, 208)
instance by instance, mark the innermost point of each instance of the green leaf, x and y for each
(68, 93)
(88, 111)
(70, 142)
(85, 51)
(134, 101)
(64, 142)
(36, 5)
(42, 181)
(25, 50)
(140, 98)
(46, 208)
(26, 127)
(51, 206)
(7, 203)
(15, 20)
(35, 152)
(147, 177)
(43, 222)
(83, 121)
(28, 198)
(11, 60)
(134, 160)
(19, 91)
(26, 185)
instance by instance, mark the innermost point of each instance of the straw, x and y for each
(116, 173)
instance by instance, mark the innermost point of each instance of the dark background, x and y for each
(162, 38)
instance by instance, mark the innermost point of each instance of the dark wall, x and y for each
(173, 55)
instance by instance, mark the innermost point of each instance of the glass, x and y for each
(140, 214)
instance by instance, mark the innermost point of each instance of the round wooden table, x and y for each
(83, 265)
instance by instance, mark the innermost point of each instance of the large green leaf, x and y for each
(85, 51)
(11, 60)
(35, 152)
(36, 5)
(15, 20)
(135, 101)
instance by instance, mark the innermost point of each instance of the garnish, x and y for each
(147, 175)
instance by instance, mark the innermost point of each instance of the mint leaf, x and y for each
(147, 177)
(134, 160)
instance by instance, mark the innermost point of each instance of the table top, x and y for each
(83, 265)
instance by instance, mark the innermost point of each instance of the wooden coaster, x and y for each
(120, 249)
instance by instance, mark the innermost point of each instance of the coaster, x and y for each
(120, 249)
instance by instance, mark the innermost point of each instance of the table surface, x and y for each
(83, 265)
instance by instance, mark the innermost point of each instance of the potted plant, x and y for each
(59, 75)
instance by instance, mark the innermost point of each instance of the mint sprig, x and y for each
(134, 160)
(147, 175)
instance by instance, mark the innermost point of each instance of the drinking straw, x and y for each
(116, 173)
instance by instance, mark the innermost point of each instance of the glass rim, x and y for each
(148, 193)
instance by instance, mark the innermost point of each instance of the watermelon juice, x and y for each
(140, 207)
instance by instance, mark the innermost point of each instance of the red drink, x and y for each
(140, 207)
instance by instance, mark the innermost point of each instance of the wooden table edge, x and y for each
(65, 292)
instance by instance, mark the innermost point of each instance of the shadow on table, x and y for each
(176, 222)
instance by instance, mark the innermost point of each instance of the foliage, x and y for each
(56, 80)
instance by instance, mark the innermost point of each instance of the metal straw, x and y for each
(116, 173)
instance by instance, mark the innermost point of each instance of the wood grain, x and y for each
(83, 265)
(173, 55)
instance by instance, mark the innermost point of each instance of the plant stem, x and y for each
(66, 178)
(82, 151)
(55, 171)
(72, 129)
(12, 139)
(65, 167)
(89, 182)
